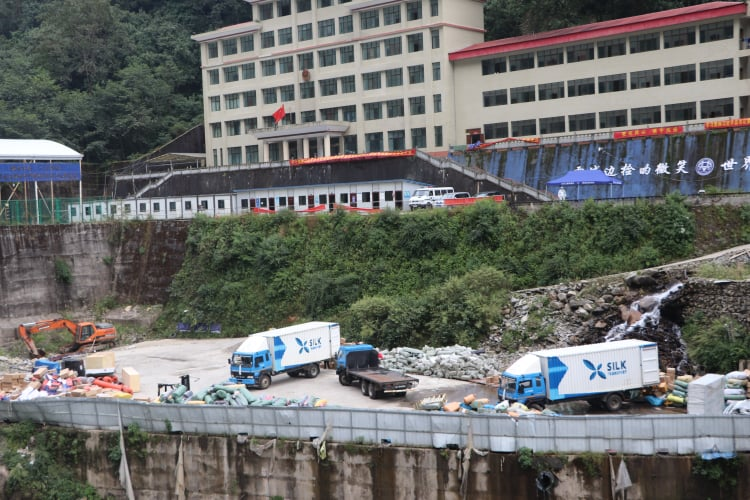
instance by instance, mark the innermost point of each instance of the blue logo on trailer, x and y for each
(307, 345)
(595, 369)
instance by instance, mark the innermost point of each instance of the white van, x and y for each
(426, 197)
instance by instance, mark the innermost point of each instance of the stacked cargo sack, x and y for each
(735, 387)
(678, 396)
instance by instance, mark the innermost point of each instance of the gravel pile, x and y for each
(454, 362)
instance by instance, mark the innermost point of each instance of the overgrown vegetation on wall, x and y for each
(394, 278)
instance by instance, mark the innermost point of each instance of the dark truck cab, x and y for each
(361, 363)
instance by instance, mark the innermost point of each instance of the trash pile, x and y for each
(455, 362)
(44, 382)
(472, 404)
(232, 395)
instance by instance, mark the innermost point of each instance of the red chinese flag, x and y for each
(279, 114)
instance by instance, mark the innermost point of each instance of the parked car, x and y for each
(426, 197)
(460, 194)
(485, 194)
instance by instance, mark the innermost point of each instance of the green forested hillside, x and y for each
(431, 277)
(116, 78)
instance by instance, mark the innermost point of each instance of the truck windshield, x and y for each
(421, 193)
(508, 384)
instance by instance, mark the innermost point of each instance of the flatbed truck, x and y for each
(360, 363)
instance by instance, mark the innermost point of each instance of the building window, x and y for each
(269, 96)
(234, 127)
(346, 54)
(248, 98)
(251, 154)
(326, 28)
(715, 108)
(679, 74)
(610, 119)
(394, 77)
(373, 110)
(216, 130)
(612, 83)
(414, 10)
(416, 74)
(419, 137)
(286, 64)
(287, 93)
(369, 19)
(349, 113)
(348, 84)
(215, 102)
(247, 43)
(304, 5)
(584, 86)
(305, 61)
(250, 124)
(494, 98)
(495, 130)
(585, 121)
(716, 31)
(392, 46)
(231, 74)
(644, 43)
(549, 57)
(438, 136)
(327, 57)
(523, 127)
(610, 48)
(414, 42)
(285, 36)
(370, 50)
(235, 156)
(580, 52)
(679, 37)
(552, 125)
(350, 144)
(522, 94)
(416, 105)
(437, 103)
(346, 24)
(284, 8)
(307, 90)
(268, 68)
(248, 71)
(395, 108)
(435, 71)
(213, 76)
(391, 15)
(229, 46)
(434, 8)
(521, 61)
(555, 90)
(645, 79)
(324, 3)
(494, 65)
(213, 50)
(396, 140)
(435, 37)
(328, 87)
(329, 114)
(684, 111)
(141, 208)
(308, 116)
(645, 116)
(373, 144)
(304, 32)
(267, 40)
(714, 70)
(371, 81)
(172, 206)
(265, 11)
(232, 101)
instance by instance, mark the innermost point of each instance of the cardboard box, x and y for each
(99, 361)
(131, 378)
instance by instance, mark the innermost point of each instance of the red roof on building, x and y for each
(602, 29)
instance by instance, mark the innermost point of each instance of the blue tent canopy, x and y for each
(583, 176)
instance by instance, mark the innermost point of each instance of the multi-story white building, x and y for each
(384, 75)
(350, 75)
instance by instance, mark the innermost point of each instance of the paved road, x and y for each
(205, 360)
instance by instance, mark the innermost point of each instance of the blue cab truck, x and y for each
(296, 350)
(360, 363)
(603, 374)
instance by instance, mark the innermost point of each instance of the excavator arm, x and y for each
(84, 334)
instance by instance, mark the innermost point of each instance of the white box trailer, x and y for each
(296, 350)
(606, 372)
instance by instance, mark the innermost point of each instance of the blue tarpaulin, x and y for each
(40, 171)
(583, 176)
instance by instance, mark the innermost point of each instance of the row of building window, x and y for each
(609, 48)
(711, 70)
(649, 115)
(391, 14)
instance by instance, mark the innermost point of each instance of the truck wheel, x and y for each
(364, 387)
(372, 391)
(345, 379)
(314, 370)
(613, 402)
(293, 374)
(264, 381)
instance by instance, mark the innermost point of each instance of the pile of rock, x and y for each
(455, 362)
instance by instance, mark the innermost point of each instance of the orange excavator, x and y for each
(86, 335)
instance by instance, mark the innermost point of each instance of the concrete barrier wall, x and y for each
(644, 435)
